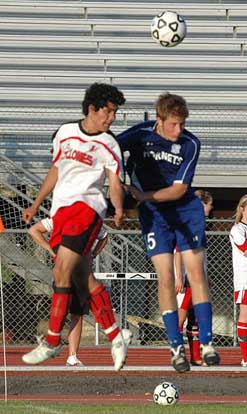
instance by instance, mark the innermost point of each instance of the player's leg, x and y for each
(182, 309)
(191, 241)
(194, 264)
(186, 312)
(164, 266)
(241, 299)
(160, 242)
(66, 261)
(78, 308)
(75, 230)
(101, 307)
(182, 316)
(74, 338)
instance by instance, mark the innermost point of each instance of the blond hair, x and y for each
(242, 203)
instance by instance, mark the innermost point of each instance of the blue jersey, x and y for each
(156, 162)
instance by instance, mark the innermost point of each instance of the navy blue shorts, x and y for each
(165, 228)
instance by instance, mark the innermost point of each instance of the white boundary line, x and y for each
(53, 368)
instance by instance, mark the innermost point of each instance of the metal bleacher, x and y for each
(52, 50)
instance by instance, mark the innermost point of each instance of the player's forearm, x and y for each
(117, 198)
(46, 188)
(171, 193)
(116, 191)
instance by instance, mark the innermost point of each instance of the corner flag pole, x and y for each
(3, 332)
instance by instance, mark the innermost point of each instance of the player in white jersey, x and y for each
(79, 305)
(238, 238)
(85, 153)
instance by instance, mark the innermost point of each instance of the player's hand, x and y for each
(28, 214)
(138, 195)
(179, 286)
(118, 217)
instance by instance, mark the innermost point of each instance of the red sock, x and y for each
(58, 313)
(242, 338)
(194, 343)
(192, 331)
(100, 305)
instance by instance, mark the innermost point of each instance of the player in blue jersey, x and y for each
(162, 160)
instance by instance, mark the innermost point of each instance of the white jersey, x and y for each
(238, 238)
(82, 161)
(48, 225)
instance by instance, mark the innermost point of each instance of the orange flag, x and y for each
(2, 228)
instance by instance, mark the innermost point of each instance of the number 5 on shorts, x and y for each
(150, 241)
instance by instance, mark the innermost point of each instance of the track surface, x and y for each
(101, 356)
(98, 383)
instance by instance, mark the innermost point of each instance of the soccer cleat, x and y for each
(209, 355)
(179, 360)
(244, 363)
(120, 347)
(73, 361)
(41, 353)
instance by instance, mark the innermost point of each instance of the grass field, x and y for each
(30, 407)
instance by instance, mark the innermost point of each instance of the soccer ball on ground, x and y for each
(166, 393)
(168, 28)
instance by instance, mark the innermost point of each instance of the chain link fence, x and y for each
(129, 277)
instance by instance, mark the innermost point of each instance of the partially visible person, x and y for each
(162, 159)
(238, 238)
(85, 153)
(207, 201)
(183, 290)
(77, 307)
(2, 227)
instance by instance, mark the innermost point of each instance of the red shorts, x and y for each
(75, 227)
(240, 297)
(184, 299)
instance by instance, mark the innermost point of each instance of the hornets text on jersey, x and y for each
(155, 162)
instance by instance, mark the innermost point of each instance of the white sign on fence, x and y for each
(126, 276)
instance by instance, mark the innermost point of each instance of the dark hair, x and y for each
(99, 94)
(170, 104)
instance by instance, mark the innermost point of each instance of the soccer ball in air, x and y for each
(168, 28)
(166, 393)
